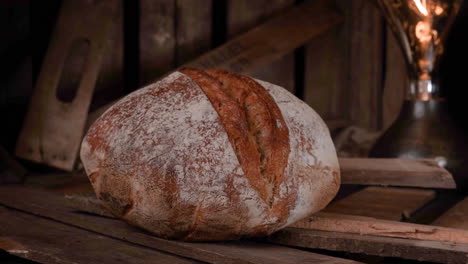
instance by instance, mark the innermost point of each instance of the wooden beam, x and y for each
(371, 226)
(45, 204)
(423, 173)
(382, 202)
(455, 217)
(431, 251)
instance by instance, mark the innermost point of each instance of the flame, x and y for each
(422, 6)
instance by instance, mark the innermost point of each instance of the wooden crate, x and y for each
(372, 225)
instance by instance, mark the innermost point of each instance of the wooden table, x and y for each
(368, 225)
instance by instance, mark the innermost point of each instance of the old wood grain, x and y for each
(455, 217)
(157, 38)
(47, 241)
(372, 226)
(48, 205)
(365, 63)
(325, 84)
(243, 15)
(396, 80)
(193, 29)
(383, 202)
(397, 172)
(52, 129)
(431, 251)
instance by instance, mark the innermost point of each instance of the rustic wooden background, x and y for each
(351, 75)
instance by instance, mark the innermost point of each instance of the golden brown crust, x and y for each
(256, 129)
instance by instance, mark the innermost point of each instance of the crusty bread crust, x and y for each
(211, 155)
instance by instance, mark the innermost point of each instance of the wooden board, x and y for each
(52, 129)
(402, 248)
(456, 217)
(325, 83)
(365, 63)
(42, 203)
(372, 226)
(47, 241)
(397, 172)
(243, 15)
(383, 203)
(193, 29)
(396, 80)
(157, 38)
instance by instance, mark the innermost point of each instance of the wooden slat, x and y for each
(157, 38)
(325, 83)
(365, 63)
(431, 251)
(382, 203)
(397, 172)
(271, 40)
(52, 129)
(371, 226)
(396, 81)
(193, 29)
(51, 206)
(110, 82)
(47, 241)
(245, 14)
(456, 217)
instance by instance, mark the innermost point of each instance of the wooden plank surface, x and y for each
(270, 40)
(396, 80)
(365, 63)
(456, 217)
(193, 29)
(42, 203)
(157, 38)
(397, 172)
(326, 61)
(324, 221)
(405, 248)
(47, 241)
(382, 203)
(52, 130)
(243, 15)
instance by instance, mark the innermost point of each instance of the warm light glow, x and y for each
(423, 31)
(422, 6)
(438, 10)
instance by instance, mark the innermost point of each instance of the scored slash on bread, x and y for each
(211, 155)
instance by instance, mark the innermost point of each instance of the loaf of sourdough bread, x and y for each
(211, 155)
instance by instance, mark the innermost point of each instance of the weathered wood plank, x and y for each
(47, 241)
(271, 40)
(52, 129)
(193, 29)
(382, 203)
(245, 14)
(325, 83)
(431, 251)
(396, 81)
(456, 217)
(157, 38)
(371, 226)
(365, 63)
(48, 205)
(397, 172)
